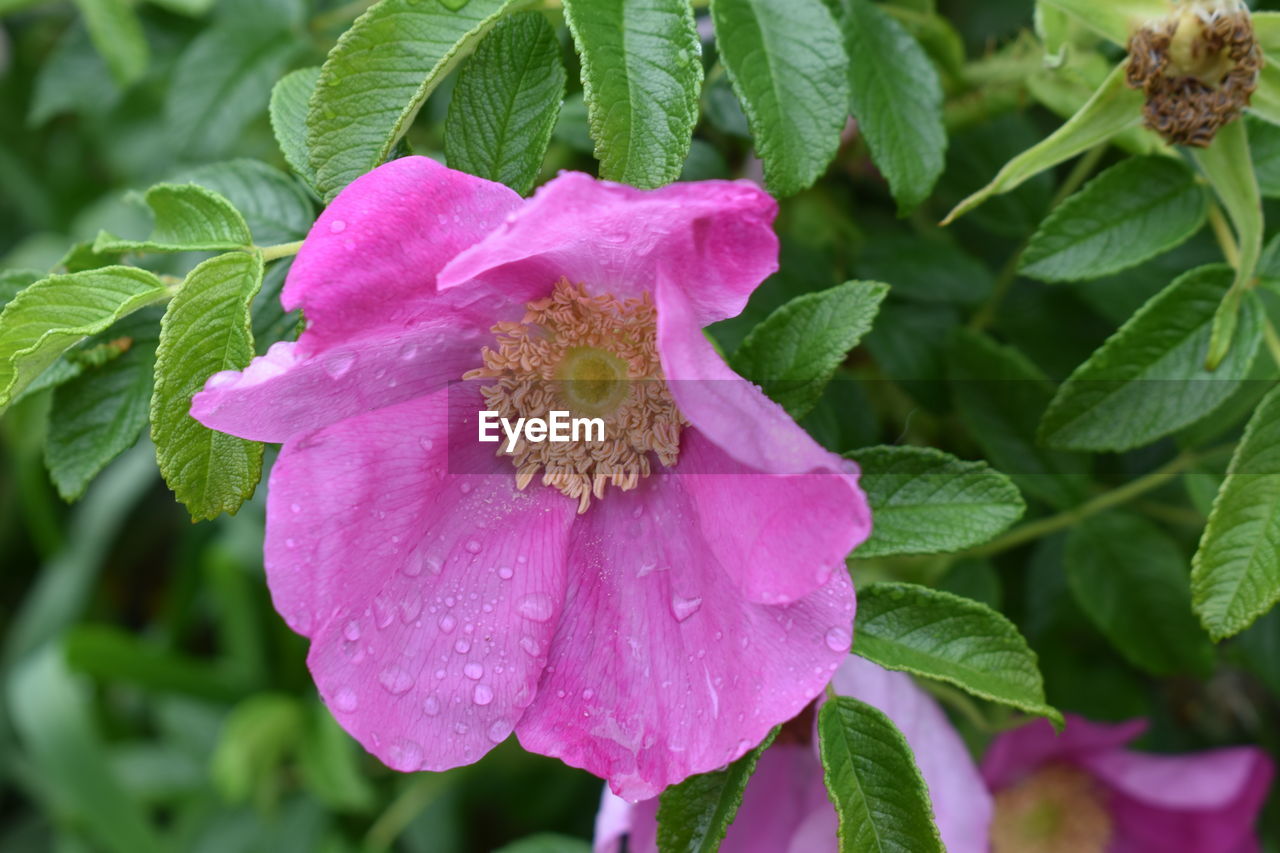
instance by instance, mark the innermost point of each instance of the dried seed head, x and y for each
(1198, 68)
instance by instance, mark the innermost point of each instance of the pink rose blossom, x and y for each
(786, 809)
(1083, 791)
(645, 625)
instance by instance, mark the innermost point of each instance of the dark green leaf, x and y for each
(288, 110)
(188, 217)
(274, 206)
(932, 271)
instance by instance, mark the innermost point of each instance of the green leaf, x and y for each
(925, 270)
(546, 842)
(1236, 570)
(505, 103)
(881, 799)
(641, 75)
(1148, 380)
(1264, 147)
(1001, 396)
(288, 111)
(695, 815)
(1132, 581)
(74, 78)
(100, 413)
(117, 34)
(188, 218)
(925, 501)
(53, 314)
(895, 95)
(1128, 214)
(1229, 168)
(329, 761)
(794, 353)
(934, 634)
(789, 69)
(1113, 109)
(12, 283)
(118, 656)
(274, 205)
(378, 76)
(256, 736)
(1114, 20)
(205, 330)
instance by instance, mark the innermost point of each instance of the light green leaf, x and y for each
(1236, 574)
(1148, 380)
(274, 205)
(117, 34)
(378, 76)
(1114, 20)
(546, 842)
(1264, 146)
(258, 733)
(934, 634)
(789, 69)
(881, 799)
(1132, 581)
(694, 815)
(641, 75)
(50, 316)
(505, 103)
(1265, 102)
(1113, 109)
(1128, 214)
(188, 218)
(1266, 29)
(1229, 168)
(795, 351)
(925, 501)
(288, 110)
(100, 413)
(896, 96)
(205, 330)
(13, 281)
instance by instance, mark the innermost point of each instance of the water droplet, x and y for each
(395, 680)
(648, 567)
(291, 543)
(838, 639)
(426, 443)
(460, 728)
(431, 706)
(295, 508)
(483, 694)
(473, 671)
(448, 623)
(499, 730)
(339, 364)
(473, 547)
(405, 755)
(530, 645)
(462, 646)
(345, 700)
(411, 608)
(409, 351)
(505, 572)
(440, 674)
(352, 631)
(337, 226)
(465, 487)
(588, 694)
(536, 607)
(682, 608)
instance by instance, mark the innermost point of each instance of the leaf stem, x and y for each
(283, 250)
(1226, 239)
(1272, 339)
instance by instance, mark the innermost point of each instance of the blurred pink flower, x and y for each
(645, 625)
(1083, 791)
(785, 808)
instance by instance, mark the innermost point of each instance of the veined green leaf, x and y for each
(48, 317)
(1264, 148)
(788, 67)
(1114, 20)
(934, 634)
(117, 34)
(13, 281)
(505, 103)
(927, 502)
(1229, 168)
(288, 110)
(896, 96)
(881, 799)
(641, 75)
(1112, 109)
(794, 353)
(378, 76)
(274, 206)
(188, 217)
(1149, 380)
(205, 330)
(1132, 581)
(1236, 574)
(1128, 214)
(694, 816)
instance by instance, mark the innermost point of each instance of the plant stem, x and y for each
(283, 250)
(1226, 239)
(415, 797)
(1272, 339)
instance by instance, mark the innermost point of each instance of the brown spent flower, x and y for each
(1197, 69)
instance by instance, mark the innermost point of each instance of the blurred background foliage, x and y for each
(152, 699)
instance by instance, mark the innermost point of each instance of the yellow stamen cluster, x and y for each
(1057, 809)
(592, 356)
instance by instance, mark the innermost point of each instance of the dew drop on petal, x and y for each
(460, 728)
(838, 639)
(462, 646)
(483, 694)
(352, 631)
(345, 700)
(588, 694)
(426, 443)
(473, 671)
(682, 608)
(337, 226)
(339, 364)
(295, 508)
(473, 547)
(530, 645)
(395, 680)
(448, 623)
(499, 730)
(536, 607)
(431, 706)
(405, 755)
(505, 572)
(465, 487)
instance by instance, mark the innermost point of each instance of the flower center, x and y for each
(1198, 69)
(1058, 809)
(594, 357)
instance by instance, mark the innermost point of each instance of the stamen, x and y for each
(592, 356)
(1057, 809)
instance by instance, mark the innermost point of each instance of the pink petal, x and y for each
(714, 239)
(1015, 754)
(660, 668)
(962, 806)
(430, 597)
(371, 259)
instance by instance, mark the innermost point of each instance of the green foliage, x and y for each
(881, 799)
(117, 34)
(505, 103)
(188, 217)
(288, 107)
(274, 207)
(933, 634)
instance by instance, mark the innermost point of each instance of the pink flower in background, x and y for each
(1084, 792)
(785, 808)
(648, 612)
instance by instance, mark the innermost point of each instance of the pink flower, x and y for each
(785, 808)
(645, 621)
(1083, 791)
